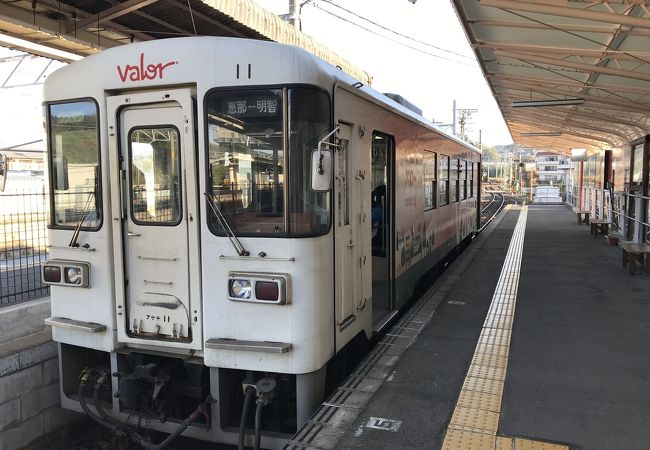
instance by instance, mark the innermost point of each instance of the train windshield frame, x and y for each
(74, 164)
(259, 144)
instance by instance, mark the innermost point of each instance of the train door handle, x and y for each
(132, 234)
(351, 244)
(166, 283)
(123, 196)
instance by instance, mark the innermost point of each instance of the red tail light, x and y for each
(267, 291)
(52, 274)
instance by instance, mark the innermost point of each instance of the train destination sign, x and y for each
(251, 106)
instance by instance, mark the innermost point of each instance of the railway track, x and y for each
(492, 207)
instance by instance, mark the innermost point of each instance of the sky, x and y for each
(21, 113)
(431, 73)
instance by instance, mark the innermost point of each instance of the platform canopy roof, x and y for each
(69, 29)
(565, 73)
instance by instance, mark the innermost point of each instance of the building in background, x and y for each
(551, 168)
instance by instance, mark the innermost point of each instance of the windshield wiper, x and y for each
(239, 248)
(77, 229)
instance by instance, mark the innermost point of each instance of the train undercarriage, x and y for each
(133, 392)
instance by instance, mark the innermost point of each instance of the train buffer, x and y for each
(583, 216)
(485, 361)
(633, 252)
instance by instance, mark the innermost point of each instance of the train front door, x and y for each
(348, 243)
(158, 213)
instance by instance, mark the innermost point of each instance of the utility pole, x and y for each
(294, 13)
(454, 116)
(510, 183)
(464, 118)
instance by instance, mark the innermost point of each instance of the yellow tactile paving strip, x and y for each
(475, 420)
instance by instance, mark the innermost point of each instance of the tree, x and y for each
(490, 154)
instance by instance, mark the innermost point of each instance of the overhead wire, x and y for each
(330, 2)
(388, 38)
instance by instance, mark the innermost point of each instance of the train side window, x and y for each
(429, 166)
(463, 182)
(454, 180)
(462, 173)
(341, 175)
(443, 180)
(74, 164)
(470, 178)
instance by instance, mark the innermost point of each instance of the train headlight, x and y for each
(273, 288)
(241, 289)
(73, 275)
(66, 273)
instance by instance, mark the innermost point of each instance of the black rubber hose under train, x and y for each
(102, 412)
(89, 413)
(186, 423)
(258, 424)
(244, 415)
(136, 437)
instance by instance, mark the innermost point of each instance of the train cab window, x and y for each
(309, 122)
(73, 150)
(246, 160)
(443, 180)
(429, 166)
(258, 162)
(454, 185)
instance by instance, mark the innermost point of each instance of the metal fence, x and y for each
(628, 214)
(23, 241)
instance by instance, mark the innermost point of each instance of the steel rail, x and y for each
(491, 201)
(503, 202)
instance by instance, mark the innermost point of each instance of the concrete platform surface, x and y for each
(578, 371)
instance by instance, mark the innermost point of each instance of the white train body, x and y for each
(153, 274)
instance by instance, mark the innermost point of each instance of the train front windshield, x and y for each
(259, 150)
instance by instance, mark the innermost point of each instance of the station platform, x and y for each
(536, 337)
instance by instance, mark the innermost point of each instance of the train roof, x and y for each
(179, 61)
